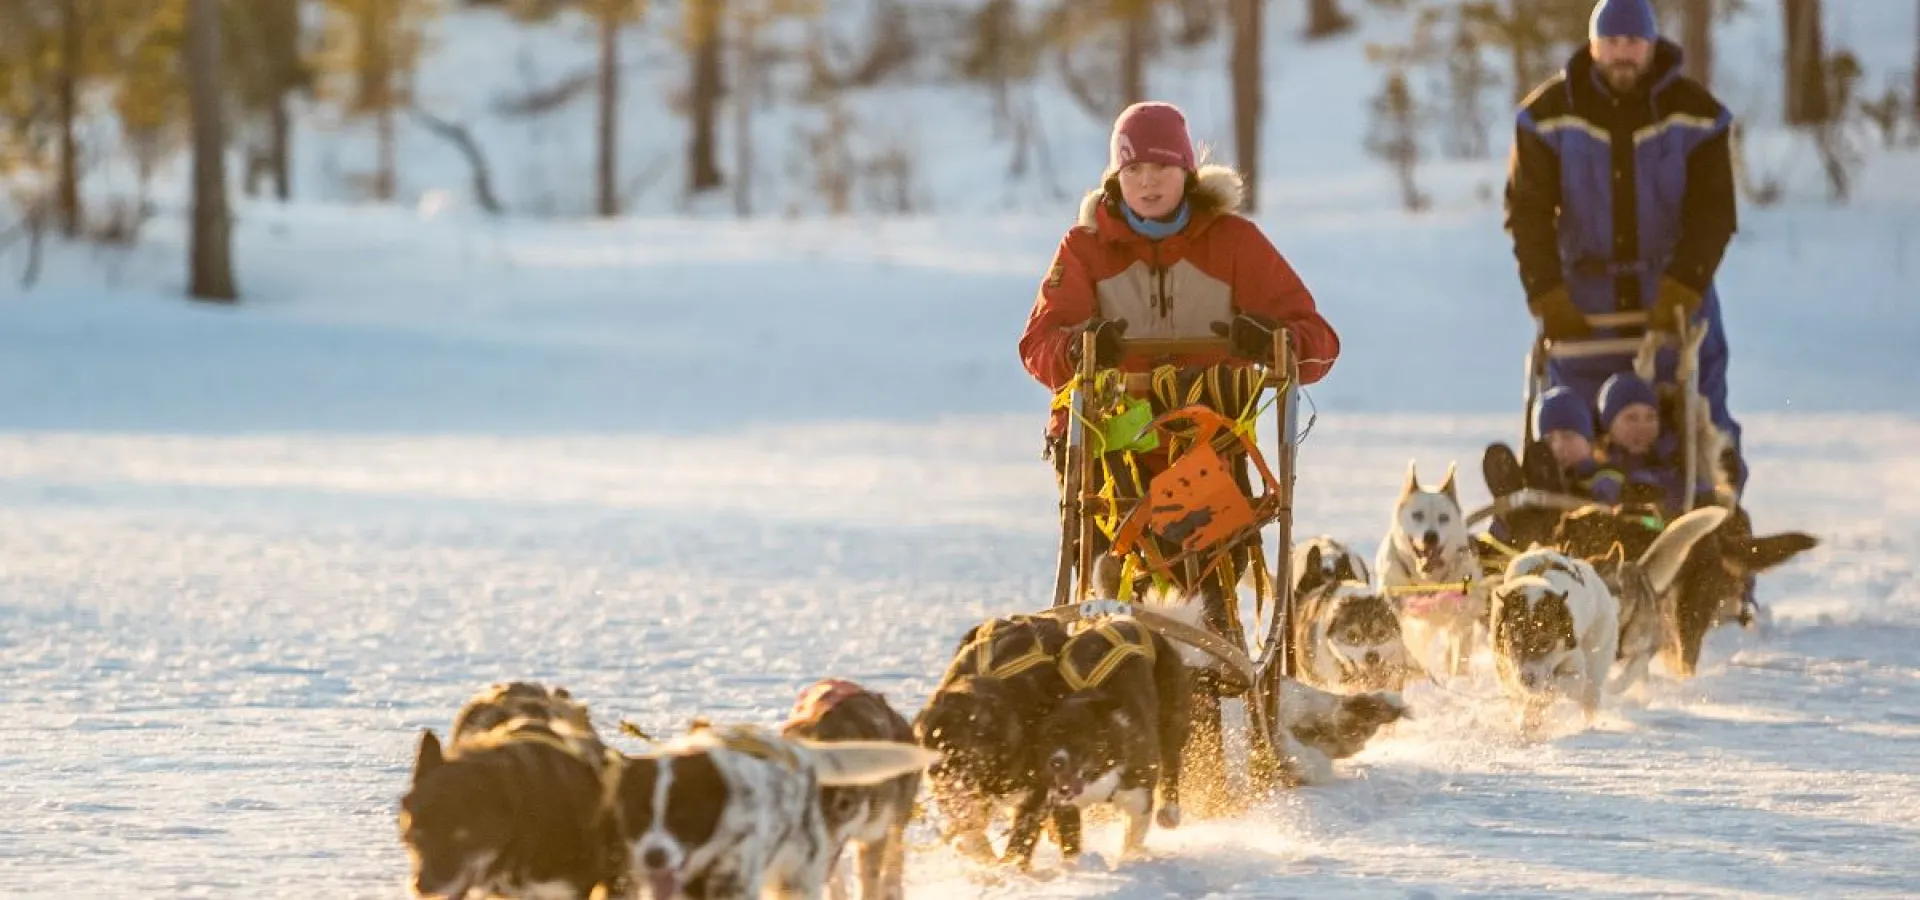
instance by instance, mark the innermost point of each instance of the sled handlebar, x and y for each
(1582, 348)
(1175, 346)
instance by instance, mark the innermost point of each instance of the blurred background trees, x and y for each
(102, 90)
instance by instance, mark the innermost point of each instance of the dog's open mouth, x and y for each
(1429, 556)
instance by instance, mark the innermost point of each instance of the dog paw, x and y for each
(1168, 816)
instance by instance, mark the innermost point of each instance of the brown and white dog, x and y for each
(872, 819)
(518, 805)
(983, 719)
(735, 811)
(1119, 735)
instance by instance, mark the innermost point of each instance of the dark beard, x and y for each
(1628, 73)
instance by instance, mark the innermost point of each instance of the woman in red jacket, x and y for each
(1160, 252)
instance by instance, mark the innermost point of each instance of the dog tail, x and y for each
(1668, 552)
(863, 763)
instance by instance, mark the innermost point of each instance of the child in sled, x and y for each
(1636, 450)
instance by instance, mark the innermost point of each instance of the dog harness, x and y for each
(754, 744)
(1119, 648)
(983, 664)
(1430, 598)
(611, 765)
(819, 700)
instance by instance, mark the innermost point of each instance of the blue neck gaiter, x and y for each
(1155, 229)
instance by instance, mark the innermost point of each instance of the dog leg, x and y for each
(871, 862)
(966, 827)
(893, 864)
(1137, 803)
(1027, 820)
(837, 878)
(1066, 830)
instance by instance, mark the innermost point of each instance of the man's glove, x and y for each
(1675, 303)
(1106, 342)
(1250, 335)
(1559, 318)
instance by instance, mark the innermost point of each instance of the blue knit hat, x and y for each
(1621, 391)
(1563, 410)
(1623, 18)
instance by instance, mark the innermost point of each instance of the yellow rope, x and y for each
(1119, 650)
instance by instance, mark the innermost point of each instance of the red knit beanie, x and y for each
(1151, 132)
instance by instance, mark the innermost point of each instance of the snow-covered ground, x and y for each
(246, 553)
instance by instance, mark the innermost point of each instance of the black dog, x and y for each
(1121, 732)
(518, 812)
(983, 718)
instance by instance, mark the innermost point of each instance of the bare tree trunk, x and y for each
(68, 88)
(1697, 30)
(1325, 19)
(280, 149)
(609, 127)
(210, 251)
(386, 180)
(1805, 69)
(284, 35)
(745, 73)
(1133, 51)
(703, 167)
(1247, 100)
(1916, 65)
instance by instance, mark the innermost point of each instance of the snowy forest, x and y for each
(762, 107)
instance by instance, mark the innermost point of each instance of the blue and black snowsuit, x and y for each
(1606, 193)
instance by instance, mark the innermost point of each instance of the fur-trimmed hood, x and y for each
(1219, 190)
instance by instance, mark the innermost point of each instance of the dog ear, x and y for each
(1447, 486)
(429, 756)
(1413, 480)
(1314, 562)
(1761, 554)
(1343, 570)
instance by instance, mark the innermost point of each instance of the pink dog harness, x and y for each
(1434, 602)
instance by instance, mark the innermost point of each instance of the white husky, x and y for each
(1428, 566)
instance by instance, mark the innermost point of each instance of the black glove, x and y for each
(1250, 335)
(1106, 342)
(1675, 303)
(1559, 318)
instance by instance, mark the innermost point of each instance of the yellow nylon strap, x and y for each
(752, 744)
(1431, 587)
(1120, 648)
(983, 661)
(1497, 544)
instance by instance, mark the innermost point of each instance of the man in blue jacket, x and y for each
(1620, 197)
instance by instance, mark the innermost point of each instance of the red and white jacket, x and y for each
(1216, 267)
